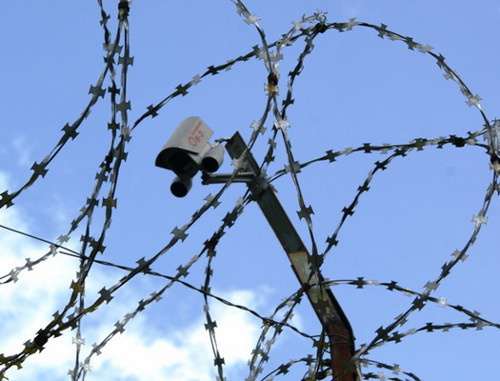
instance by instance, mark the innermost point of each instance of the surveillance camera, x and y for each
(212, 160)
(180, 187)
(187, 151)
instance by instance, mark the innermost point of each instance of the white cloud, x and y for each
(237, 332)
(141, 353)
(22, 151)
(27, 305)
(137, 355)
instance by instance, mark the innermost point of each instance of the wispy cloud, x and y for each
(22, 151)
(141, 353)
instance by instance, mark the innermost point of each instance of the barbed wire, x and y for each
(78, 306)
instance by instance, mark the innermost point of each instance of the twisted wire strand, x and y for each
(308, 28)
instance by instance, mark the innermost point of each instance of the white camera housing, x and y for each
(187, 151)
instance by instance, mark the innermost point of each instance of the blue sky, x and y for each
(354, 89)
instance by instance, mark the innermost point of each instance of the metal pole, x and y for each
(328, 310)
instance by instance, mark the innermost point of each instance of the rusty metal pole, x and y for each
(324, 303)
